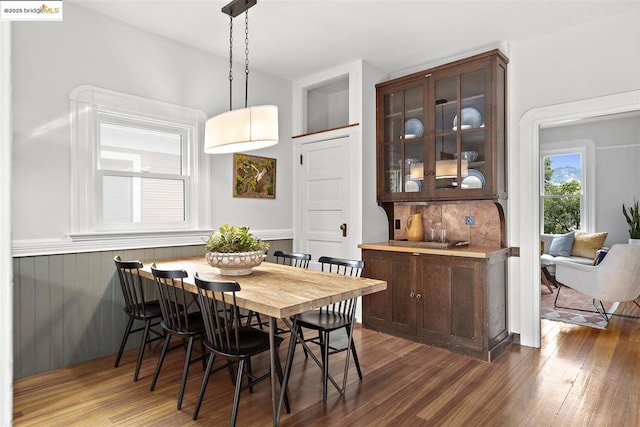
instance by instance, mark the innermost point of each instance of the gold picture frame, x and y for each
(254, 176)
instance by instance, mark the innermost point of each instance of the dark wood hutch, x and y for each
(441, 139)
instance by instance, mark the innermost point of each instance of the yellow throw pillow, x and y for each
(586, 245)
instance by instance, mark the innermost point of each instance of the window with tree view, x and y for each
(562, 192)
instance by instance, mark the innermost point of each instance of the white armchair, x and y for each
(615, 279)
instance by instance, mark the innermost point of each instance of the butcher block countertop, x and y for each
(478, 252)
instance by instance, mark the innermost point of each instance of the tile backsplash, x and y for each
(487, 216)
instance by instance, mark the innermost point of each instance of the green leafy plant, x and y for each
(632, 215)
(233, 238)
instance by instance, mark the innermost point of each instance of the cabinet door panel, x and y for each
(464, 302)
(452, 301)
(404, 307)
(378, 305)
(392, 310)
(436, 296)
(497, 301)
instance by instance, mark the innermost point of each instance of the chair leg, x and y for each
(306, 355)
(259, 321)
(250, 318)
(555, 301)
(125, 337)
(165, 345)
(321, 343)
(143, 344)
(204, 353)
(231, 373)
(203, 386)
(249, 379)
(325, 364)
(355, 357)
(603, 313)
(236, 395)
(185, 370)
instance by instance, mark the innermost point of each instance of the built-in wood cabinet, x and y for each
(394, 310)
(441, 132)
(454, 302)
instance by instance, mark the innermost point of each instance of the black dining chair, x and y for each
(137, 307)
(335, 317)
(293, 259)
(227, 337)
(177, 320)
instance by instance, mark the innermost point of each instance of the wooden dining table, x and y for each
(277, 291)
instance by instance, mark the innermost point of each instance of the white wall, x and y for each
(617, 142)
(580, 63)
(375, 224)
(6, 266)
(51, 59)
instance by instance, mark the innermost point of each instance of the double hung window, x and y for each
(566, 188)
(136, 164)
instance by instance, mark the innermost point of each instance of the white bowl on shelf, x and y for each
(471, 118)
(474, 179)
(413, 128)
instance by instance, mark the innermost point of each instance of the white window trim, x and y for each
(587, 149)
(86, 103)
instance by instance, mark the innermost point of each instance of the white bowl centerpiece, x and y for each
(233, 251)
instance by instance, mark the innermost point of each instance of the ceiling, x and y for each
(293, 39)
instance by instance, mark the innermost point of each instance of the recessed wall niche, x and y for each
(327, 105)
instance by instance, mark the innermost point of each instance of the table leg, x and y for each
(547, 278)
(288, 362)
(274, 375)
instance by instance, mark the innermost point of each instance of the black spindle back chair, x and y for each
(177, 319)
(137, 307)
(227, 337)
(327, 319)
(293, 259)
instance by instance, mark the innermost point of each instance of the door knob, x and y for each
(343, 227)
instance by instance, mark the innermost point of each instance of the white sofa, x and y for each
(550, 260)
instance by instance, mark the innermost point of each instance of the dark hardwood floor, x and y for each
(580, 377)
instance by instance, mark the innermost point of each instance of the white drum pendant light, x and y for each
(249, 128)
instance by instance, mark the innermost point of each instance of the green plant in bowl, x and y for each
(233, 238)
(234, 251)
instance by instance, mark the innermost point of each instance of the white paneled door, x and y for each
(327, 176)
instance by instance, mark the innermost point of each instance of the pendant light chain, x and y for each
(246, 57)
(241, 129)
(230, 62)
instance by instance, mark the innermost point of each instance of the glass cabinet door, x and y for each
(473, 147)
(460, 144)
(441, 133)
(403, 133)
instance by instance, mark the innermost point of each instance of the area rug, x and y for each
(570, 298)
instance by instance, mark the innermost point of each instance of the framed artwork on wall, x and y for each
(254, 176)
